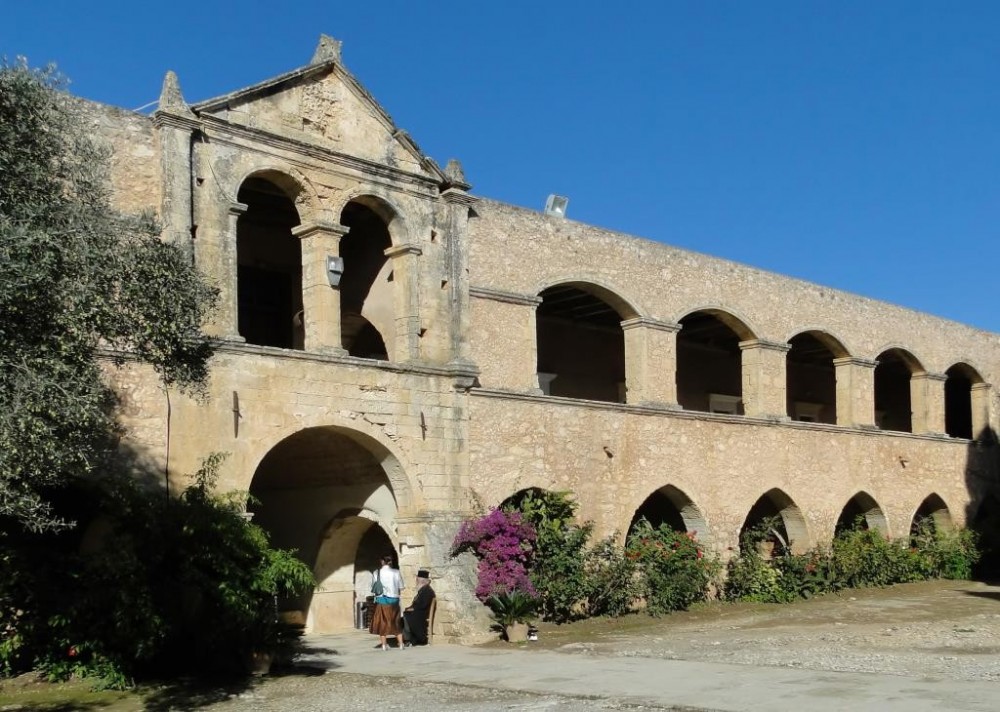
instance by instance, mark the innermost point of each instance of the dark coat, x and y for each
(416, 615)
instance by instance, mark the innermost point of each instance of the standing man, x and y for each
(415, 617)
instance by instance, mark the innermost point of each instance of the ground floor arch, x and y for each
(862, 511)
(786, 530)
(672, 507)
(326, 493)
(932, 513)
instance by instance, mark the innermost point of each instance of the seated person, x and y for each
(415, 616)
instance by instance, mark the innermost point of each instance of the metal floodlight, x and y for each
(556, 205)
(334, 269)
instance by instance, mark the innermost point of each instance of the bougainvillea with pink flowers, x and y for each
(503, 542)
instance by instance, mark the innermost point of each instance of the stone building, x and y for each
(396, 353)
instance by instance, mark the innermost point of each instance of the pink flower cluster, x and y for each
(503, 543)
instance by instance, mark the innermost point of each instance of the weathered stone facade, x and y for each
(396, 352)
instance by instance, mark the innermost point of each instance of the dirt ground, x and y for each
(945, 629)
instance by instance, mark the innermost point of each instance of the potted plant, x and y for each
(513, 610)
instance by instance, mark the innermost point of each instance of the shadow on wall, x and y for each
(982, 479)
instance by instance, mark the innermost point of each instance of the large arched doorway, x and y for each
(327, 494)
(269, 264)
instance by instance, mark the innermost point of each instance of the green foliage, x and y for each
(857, 557)
(512, 607)
(78, 281)
(612, 587)
(674, 569)
(161, 585)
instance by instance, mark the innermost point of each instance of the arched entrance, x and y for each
(932, 514)
(327, 493)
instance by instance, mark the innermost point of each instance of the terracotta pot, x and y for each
(516, 632)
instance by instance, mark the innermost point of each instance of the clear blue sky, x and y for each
(852, 144)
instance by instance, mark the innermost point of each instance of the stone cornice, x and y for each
(303, 148)
(184, 122)
(855, 361)
(766, 345)
(399, 250)
(498, 295)
(645, 322)
(930, 376)
(458, 197)
(318, 228)
(984, 386)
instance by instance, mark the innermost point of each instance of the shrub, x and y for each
(180, 585)
(674, 571)
(513, 607)
(949, 554)
(750, 577)
(867, 557)
(559, 559)
(611, 586)
(503, 542)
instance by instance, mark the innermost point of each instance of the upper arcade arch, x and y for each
(580, 341)
(710, 374)
(811, 373)
(961, 404)
(895, 389)
(269, 262)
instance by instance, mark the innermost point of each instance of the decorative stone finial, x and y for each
(171, 98)
(454, 171)
(327, 50)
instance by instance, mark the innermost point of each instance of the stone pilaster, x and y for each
(650, 361)
(855, 391)
(320, 299)
(980, 408)
(458, 203)
(216, 255)
(176, 125)
(764, 380)
(927, 402)
(406, 274)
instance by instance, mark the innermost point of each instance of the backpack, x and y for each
(377, 587)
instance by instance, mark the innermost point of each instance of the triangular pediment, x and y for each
(325, 106)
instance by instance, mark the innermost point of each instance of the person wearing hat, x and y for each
(415, 617)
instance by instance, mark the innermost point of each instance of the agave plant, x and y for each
(512, 607)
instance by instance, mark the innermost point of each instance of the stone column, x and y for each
(764, 381)
(855, 391)
(320, 300)
(406, 275)
(927, 402)
(980, 408)
(650, 361)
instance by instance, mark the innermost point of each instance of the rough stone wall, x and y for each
(466, 288)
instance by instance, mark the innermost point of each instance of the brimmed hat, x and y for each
(423, 573)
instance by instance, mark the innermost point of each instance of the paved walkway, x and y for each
(648, 680)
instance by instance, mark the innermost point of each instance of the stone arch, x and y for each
(791, 533)
(320, 491)
(811, 376)
(577, 318)
(733, 318)
(710, 361)
(864, 510)
(672, 506)
(370, 295)
(959, 406)
(612, 295)
(932, 511)
(386, 209)
(893, 390)
(292, 181)
(269, 261)
(832, 342)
